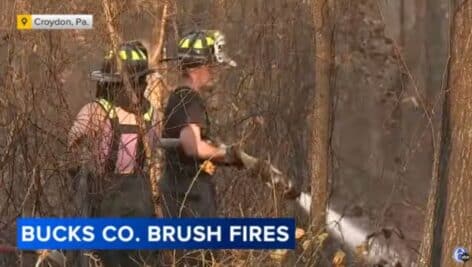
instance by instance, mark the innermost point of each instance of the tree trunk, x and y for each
(434, 217)
(321, 113)
(458, 213)
(449, 224)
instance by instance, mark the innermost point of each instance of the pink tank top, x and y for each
(126, 157)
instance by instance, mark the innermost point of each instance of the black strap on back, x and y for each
(110, 164)
(140, 152)
(117, 131)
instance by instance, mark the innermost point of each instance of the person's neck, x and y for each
(128, 104)
(192, 84)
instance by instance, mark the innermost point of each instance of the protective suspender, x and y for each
(140, 153)
(120, 129)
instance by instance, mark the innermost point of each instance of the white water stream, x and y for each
(352, 232)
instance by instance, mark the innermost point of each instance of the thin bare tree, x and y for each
(449, 219)
(321, 113)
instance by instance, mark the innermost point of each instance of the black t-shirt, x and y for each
(185, 106)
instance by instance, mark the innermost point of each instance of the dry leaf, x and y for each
(279, 254)
(208, 167)
(361, 250)
(235, 107)
(321, 238)
(43, 253)
(299, 233)
(306, 244)
(339, 259)
(52, 255)
(258, 120)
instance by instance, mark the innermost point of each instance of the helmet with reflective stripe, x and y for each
(203, 47)
(134, 60)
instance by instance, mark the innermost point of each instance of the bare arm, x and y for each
(87, 123)
(193, 145)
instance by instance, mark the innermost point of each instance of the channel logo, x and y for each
(461, 255)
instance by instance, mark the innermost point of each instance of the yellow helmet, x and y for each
(134, 58)
(203, 47)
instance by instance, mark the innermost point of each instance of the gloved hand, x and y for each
(233, 156)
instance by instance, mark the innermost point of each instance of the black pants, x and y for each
(185, 196)
(124, 196)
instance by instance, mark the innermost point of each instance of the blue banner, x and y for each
(155, 233)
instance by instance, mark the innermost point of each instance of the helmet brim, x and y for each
(98, 75)
(189, 60)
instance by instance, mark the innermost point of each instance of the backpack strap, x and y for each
(110, 164)
(140, 153)
(119, 129)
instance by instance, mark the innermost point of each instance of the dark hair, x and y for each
(115, 93)
(108, 90)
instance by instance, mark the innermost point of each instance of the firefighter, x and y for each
(187, 187)
(119, 185)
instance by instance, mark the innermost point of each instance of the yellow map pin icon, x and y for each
(24, 22)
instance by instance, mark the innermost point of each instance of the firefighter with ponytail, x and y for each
(119, 184)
